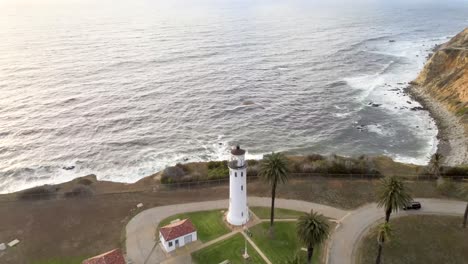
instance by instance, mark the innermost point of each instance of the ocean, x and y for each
(122, 89)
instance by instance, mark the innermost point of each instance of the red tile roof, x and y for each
(177, 229)
(112, 257)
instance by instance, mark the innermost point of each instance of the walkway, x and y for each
(140, 231)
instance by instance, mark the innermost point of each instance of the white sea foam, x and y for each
(125, 102)
(380, 130)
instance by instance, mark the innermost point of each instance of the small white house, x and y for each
(177, 234)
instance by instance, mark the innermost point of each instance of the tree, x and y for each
(383, 234)
(312, 230)
(274, 169)
(464, 194)
(435, 164)
(392, 195)
(297, 259)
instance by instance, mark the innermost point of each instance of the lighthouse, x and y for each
(238, 213)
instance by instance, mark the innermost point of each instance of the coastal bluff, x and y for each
(442, 86)
(445, 75)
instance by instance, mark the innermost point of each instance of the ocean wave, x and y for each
(380, 130)
(160, 91)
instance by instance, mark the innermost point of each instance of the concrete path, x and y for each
(267, 261)
(140, 231)
(346, 237)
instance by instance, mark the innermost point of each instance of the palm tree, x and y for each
(392, 195)
(464, 194)
(297, 259)
(435, 164)
(383, 234)
(274, 169)
(312, 230)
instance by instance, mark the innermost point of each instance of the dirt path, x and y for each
(140, 231)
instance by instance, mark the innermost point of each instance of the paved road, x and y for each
(140, 231)
(353, 226)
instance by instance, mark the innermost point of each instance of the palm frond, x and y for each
(297, 259)
(435, 164)
(274, 168)
(312, 229)
(392, 194)
(384, 233)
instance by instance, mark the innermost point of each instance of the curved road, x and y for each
(346, 237)
(140, 231)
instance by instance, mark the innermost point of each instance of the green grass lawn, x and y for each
(264, 213)
(229, 249)
(209, 224)
(283, 246)
(420, 239)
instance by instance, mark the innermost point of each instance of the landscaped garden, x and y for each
(229, 249)
(209, 224)
(284, 244)
(419, 239)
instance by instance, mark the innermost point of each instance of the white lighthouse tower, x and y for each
(238, 213)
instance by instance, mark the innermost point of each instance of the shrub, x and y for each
(446, 187)
(173, 174)
(456, 171)
(85, 181)
(253, 170)
(462, 111)
(307, 168)
(337, 167)
(80, 191)
(39, 193)
(253, 162)
(315, 157)
(217, 169)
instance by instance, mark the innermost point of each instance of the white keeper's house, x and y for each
(177, 234)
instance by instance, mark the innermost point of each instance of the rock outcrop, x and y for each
(445, 76)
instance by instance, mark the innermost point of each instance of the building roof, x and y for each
(112, 257)
(237, 151)
(177, 229)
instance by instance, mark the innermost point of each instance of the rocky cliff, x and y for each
(442, 87)
(445, 76)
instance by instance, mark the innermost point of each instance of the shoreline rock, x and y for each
(453, 143)
(442, 89)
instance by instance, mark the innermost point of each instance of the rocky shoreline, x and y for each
(453, 139)
(442, 89)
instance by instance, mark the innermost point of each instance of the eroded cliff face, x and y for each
(445, 76)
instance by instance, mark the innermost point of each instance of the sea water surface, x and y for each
(125, 88)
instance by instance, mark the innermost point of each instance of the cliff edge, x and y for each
(445, 75)
(442, 86)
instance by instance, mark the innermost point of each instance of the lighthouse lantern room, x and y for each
(238, 213)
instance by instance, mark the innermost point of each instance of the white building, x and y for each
(177, 234)
(238, 213)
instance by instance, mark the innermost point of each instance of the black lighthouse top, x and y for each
(237, 151)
